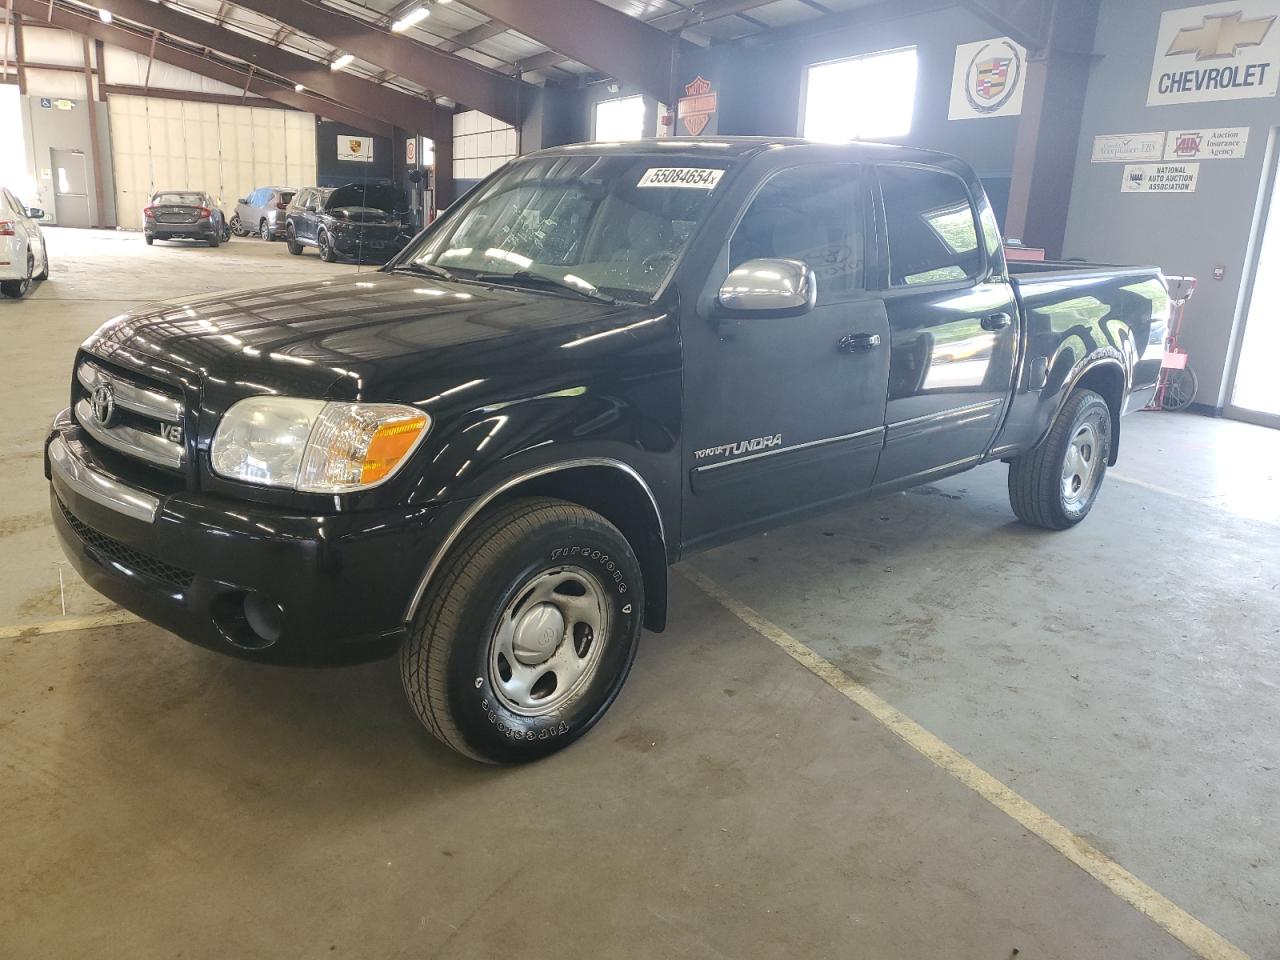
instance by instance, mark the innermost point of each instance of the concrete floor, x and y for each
(160, 800)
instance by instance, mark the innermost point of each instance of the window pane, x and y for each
(863, 98)
(932, 233)
(811, 214)
(621, 119)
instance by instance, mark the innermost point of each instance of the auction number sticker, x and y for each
(696, 178)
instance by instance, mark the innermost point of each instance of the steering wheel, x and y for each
(661, 259)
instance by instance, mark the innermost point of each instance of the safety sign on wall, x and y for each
(988, 79)
(1219, 51)
(1160, 178)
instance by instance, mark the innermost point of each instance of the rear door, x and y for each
(953, 325)
(779, 418)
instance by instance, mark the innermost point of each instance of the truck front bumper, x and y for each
(245, 579)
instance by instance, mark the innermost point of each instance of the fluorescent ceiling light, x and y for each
(416, 15)
(298, 87)
(104, 15)
(342, 61)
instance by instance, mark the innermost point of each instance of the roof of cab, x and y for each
(736, 147)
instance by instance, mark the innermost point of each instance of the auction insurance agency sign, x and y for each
(1221, 51)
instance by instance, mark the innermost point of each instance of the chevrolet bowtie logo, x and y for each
(1220, 37)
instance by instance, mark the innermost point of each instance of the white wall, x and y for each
(481, 145)
(226, 150)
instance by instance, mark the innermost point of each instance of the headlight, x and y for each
(313, 445)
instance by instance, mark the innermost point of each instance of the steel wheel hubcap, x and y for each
(548, 641)
(1081, 468)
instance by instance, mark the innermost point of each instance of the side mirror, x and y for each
(769, 288)
(311, 208)
(35, 213)
(243, 200)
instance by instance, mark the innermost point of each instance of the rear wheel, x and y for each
(237, 227)
(215, 240)
(1055, 485)
(150, 240)
(326, 248)
(291, 240)
(44, 274)
(527, 632)
(265, 231)
(1180, 388)
(18, 288)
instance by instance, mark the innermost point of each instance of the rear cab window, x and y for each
(932, 227)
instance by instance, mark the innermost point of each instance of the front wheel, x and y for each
(1055, 485)
(18, 288)
(527, 632)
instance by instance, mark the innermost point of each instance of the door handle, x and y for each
(859, 342)
(996, 321)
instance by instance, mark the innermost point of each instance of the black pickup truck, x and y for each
(607, 357)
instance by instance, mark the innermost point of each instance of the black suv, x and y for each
(358, 221)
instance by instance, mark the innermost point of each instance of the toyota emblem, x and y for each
(103, 400)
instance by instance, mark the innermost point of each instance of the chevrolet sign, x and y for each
(1222, 51)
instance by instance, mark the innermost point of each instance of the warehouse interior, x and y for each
(910, 726)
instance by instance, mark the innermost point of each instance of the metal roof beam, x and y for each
(1026, 21)
(615, 44)
(450, 76)
(39, 12)
(390, 107)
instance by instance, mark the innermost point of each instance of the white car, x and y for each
(22, 248)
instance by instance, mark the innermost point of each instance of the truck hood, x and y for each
(370, 336)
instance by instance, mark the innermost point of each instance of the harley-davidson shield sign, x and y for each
(697, 108)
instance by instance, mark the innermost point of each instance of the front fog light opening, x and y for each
(251, 620)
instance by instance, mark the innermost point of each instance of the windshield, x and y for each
(182, 199)
(608, 224)
(373, 196)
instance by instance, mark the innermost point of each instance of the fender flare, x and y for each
(479, 503)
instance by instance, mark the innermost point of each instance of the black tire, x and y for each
(237, 227)
(215, 240)
(291, 241)
(18, 288)
(1180, 387)
(150, 240)
(448, 663)
(44, 274)
(265, 231)
(1038, 486)
(326, 248)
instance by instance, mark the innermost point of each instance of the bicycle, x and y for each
(1178, 383)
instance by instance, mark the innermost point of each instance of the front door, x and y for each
(71, 189)
(785, 415)
(953, 326)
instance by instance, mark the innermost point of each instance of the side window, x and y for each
(933, 235)
(811, 213)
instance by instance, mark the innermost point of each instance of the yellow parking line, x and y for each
(1202, 940)
(67, 625)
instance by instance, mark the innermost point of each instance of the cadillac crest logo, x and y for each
(994, 75)
(696, 109)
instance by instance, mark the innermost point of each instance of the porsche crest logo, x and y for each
(354, 145)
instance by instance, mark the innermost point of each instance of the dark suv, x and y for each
(358, 221)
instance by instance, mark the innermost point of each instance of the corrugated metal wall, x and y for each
(187, 145)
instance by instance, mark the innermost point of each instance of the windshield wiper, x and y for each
(530, 278)
(426, 269)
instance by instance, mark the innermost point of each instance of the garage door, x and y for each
(187, 145)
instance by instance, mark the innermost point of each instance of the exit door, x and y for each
(71, 189)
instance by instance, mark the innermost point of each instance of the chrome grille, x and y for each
(130, 417)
